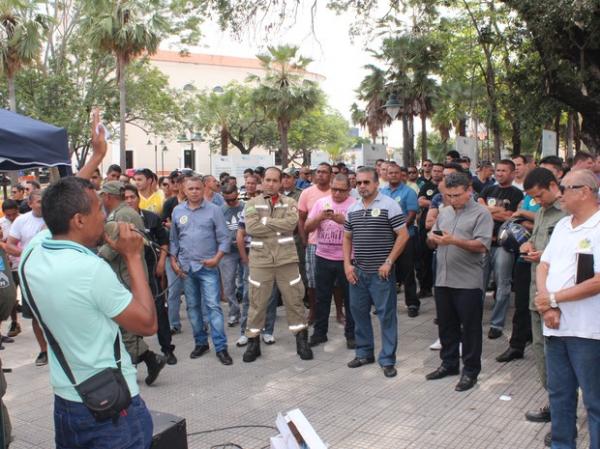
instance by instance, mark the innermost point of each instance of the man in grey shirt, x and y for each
(462, 235)
(198, 241)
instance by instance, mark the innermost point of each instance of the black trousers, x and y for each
(425, 262)
(327, 272)
(162, 317)
(460, 313)
(521, 323)
(405, 272)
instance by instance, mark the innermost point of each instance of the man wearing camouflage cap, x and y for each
(111, 195)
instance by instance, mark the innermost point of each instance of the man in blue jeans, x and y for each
(375, 234)
(198, 240)
(80, 300)
(568, 298)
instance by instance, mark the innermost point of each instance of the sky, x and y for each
(334, 55)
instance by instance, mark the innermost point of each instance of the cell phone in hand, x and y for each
(440, 233)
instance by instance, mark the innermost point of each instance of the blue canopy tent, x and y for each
(27, 143)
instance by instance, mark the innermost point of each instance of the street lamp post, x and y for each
(392, 106)
(194, 137)
(155, 143)
(162, 158)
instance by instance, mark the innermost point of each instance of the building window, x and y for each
(129, 159)
(189, 159)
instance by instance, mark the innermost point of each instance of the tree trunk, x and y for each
(12, 96)
(423, 137)
(405, 141)
(462, 127)
(590, 132)
(224, 140)
(557, 129)
(12, 101)
(570, 132)
(306, 158)
(577, 132)
(411, 130)
(516, 136)
(121, 72)
(283, 127)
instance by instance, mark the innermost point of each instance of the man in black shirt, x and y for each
(425, 254)
(484, 176)
(501, 200)
(156, 262)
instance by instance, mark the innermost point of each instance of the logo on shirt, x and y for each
(429, 192)
(183, 220)
(532, 202)
(585, 245)
(492, 202)
(375, 212)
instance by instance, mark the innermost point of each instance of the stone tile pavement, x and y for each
(350, 409)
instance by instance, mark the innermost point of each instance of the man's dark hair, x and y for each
(8, 205)
(427, 160)
(369, 170)
(131, 188)
(457, 179)
(114, 167)
(326, 164)
(508, 162)
(260, 170)
(540, 177)
(453, 154)
(438, 164)
(555, 161)
(228, 189)
(485, 164)
(277, 169)
(145, 172)
(454, 165)
(223, 175)
(249, 170)
(403, 169)
(465, 159)
(519, 156)
(62, 200)
(379, 160)
(19, 187)
(582, 156)
(36, 185)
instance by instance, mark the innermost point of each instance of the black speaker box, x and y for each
(170, 431)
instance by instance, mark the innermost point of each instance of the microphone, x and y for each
(113, 227)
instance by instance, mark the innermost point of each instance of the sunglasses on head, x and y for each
(563, 187)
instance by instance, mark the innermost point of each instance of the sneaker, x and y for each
(42, 359)
(6, 339)
(15, 329)
(242, 341)
(268, 339)
(232, 321)
(175, 330)
(436, 346)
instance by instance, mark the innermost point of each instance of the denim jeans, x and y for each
(372, 290)
(174, 297)
(76, 428)
(202, 296)
(229, 267)
(573, 362)
(327, 273)
(271, 308)
(502, 262)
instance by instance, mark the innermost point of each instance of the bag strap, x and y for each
(51, 340)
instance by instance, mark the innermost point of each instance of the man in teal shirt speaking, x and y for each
(82, 303)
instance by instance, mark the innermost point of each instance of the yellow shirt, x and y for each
(154, 203)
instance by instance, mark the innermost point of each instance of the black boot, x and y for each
(253, 349)
(155, 364)
(302, 347)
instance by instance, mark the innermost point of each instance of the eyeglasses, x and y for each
(339, 190)
(412, 172)
(427, 165)
(360, 183)
(165, 184)
(562, 188)
(231, 200)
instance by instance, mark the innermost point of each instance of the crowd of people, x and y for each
(135, 248)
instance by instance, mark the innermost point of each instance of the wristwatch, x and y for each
(388, 262)
(553, 302)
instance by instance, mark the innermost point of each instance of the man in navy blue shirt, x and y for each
(406, 198)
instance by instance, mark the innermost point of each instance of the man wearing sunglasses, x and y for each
(568, 298)
(375, 235)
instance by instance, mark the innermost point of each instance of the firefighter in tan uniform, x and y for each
(270, 219)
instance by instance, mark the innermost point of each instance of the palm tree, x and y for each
(283, 92)
(21, 34)
(126, 29)
(372, 90)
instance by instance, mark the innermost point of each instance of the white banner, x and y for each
(548, 143)
(372, 152)
(236, 164)
(467, 146)
(317, 157)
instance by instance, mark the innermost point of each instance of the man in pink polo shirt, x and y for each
(326, 221)
(308, 197)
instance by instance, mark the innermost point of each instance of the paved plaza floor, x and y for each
(349, 408)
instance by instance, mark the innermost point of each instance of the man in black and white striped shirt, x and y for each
(375, 235)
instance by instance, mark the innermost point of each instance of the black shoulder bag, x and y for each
(106, 393)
